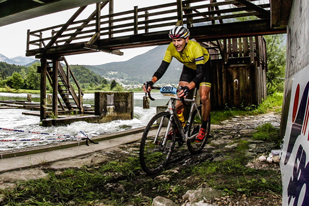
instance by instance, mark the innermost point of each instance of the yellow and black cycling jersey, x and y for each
(192, 55)
(195, 59)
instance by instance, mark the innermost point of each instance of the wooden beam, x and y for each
(55, 87)
(76, 14)
(201, 33)
(85, 23)
(43, 102)
(280, 13)
(252, 6)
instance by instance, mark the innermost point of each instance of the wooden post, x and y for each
(98, 20)
(257, 49)
(146, 20)
(100, 104)
(135, 19)
(111, 18)
(251, 50)
(28, 39)
(188, 12)
(179, 10)
(43, 104)
(55, 87)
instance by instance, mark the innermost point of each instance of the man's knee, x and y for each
(204, 98)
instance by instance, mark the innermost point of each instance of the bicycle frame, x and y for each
(172, 110)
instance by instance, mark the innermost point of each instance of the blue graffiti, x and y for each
(297, 125)
(299, 179)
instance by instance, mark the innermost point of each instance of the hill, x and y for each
(82, 74)
(20, 60)
(140, 68)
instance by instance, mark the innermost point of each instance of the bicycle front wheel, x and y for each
(194, 145)
(155, 147)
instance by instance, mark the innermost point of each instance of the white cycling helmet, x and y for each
(179, 32)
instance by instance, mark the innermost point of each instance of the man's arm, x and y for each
(157, 75)
(161, 70)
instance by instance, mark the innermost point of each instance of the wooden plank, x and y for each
(146, 21)
(257, 49)
(235, 50)
(280, 13)
(179, 10)
(240, 46)
(55, 87)
(64, 27)
(246, 46)
(111, 18)
(251, 50)
(262, 13)
(135, 20)
(43, 102)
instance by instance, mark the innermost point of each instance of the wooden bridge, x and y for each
(231, 28)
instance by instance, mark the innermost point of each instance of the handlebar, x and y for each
(182, 99)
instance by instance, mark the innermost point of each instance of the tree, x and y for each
(276, 60)
(32, 77)
(17, 81)
(113, 84)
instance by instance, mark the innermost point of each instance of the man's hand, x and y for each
(147, 86)
(184, 91)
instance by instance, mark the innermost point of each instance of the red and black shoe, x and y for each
(171, 133)
(201, 135)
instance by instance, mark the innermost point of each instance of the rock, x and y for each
(247, 131)
(162, 201)
(276, 159)
(269, 160)
(232, 146)
(201, 203)
(194, 196)
(163, 178)
(262, 158)
(219, 142)
(30, 174)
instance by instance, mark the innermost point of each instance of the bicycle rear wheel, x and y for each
(194, 128)
(155, 149)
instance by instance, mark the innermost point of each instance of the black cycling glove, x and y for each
(149, 84)
(185, 90)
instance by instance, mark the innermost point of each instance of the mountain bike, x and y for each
(165, 129)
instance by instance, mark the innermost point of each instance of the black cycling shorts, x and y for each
(188, 74)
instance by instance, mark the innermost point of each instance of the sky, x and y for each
(13, 37)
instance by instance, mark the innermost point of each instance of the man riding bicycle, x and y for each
(195, 74)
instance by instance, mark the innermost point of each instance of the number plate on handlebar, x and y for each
(168, 90)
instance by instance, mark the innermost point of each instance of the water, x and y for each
(14, 119)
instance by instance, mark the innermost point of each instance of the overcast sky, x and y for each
(13, 37)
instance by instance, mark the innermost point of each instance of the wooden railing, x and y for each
(194, 13)
(245, 49)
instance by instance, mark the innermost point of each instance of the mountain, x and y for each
(19, 60)
(140, 68)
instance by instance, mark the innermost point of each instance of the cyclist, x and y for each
(196, 71)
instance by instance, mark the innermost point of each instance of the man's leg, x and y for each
(205, 98)
(206, 106)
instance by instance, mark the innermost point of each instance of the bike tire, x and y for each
(194, 128)
(153, 155)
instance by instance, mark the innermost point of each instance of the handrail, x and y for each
(139, 21)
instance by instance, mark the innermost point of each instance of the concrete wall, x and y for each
(114, 105)
(297, 49)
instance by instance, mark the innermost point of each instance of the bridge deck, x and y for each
(207, 20)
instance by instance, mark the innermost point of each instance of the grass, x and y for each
(273, 103)
(120, 182)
